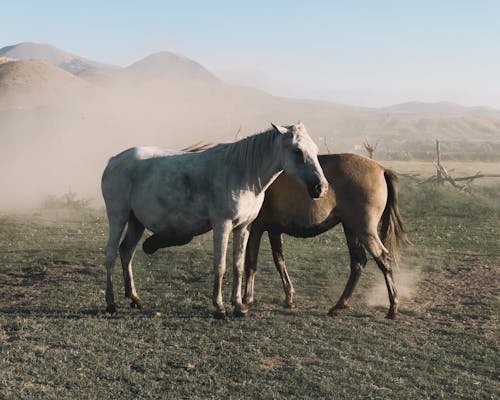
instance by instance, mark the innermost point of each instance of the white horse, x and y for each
(178, 195)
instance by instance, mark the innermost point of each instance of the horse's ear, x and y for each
(279, 129)
(300, 125)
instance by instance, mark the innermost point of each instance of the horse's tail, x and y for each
(391, 225)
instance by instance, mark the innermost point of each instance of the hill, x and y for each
(166, 65)
(45, 52)
(25, 84)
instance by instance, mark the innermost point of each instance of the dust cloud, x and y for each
(406, 277)
(57, 129)
(55, 142)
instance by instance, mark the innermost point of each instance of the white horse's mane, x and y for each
(249, 154)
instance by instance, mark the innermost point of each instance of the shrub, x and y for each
(66, 201)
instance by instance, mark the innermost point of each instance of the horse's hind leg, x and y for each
(276, 241)
(382, 258)
(385, 266)
(127, 249)
(358, 262)
(116, 226)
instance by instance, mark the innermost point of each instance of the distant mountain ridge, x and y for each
(164, 65)
(165, 87)
(46, 52)
(171, 66)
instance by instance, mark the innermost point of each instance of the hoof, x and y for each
(290, 305)
(247, 302)
(240, 312)
(392, 315)
(111, 309)
(136, 303)
(219, 314)
(334, 311)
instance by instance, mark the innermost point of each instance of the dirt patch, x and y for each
(275, 362)
(473, 278)
(459, 294)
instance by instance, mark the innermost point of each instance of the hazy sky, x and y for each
(371, 52)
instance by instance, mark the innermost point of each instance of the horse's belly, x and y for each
(307, 216)
(182, 227)
(178, 223)
(304, 220)
(175, 220)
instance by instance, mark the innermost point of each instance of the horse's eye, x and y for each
(298, 152)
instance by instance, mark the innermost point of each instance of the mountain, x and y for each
(164, 65)
(170, 66)
(45, 52)
(164, 89)
(28, 83)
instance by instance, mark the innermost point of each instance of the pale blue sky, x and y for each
(363, 52)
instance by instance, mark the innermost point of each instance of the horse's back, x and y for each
(123, 168)
(357, 193)
(131, 157)
(168, 191)
(359, 185)
(353, 174)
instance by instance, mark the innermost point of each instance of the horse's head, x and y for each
(300, 158)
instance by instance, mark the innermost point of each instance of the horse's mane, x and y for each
(249, 152)
(197, 148)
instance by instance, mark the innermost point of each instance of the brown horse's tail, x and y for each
(391, 225)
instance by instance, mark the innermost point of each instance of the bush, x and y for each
(66, 201)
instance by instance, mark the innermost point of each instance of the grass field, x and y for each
(56, 341)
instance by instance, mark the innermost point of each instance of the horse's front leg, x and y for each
(240, 239)
(276, 241)
(252, 254)
(221, 237)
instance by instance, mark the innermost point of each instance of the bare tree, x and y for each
(443, 175)
(370, 148)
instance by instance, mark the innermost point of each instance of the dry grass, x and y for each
(55, 340)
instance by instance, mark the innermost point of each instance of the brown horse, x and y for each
(362, 196)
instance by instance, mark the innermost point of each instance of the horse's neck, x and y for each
(269, 172)
(260, 175)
